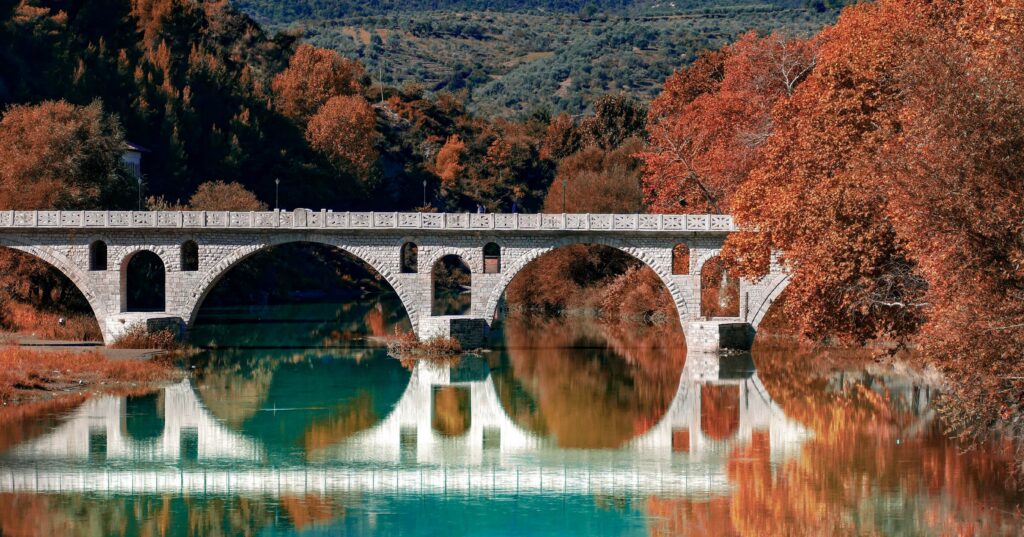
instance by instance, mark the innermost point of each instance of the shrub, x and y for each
(137, 336)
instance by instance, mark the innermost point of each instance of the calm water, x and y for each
(295, 421)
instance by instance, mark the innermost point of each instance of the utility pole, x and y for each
(565, 186)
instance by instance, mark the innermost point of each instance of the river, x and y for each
(295, 421)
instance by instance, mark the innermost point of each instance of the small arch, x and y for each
(680, 259)
(98, 255)
(450, 282)
(410, 258)
(492, 258)
(719, 290)
(143, 282)
(189, 256)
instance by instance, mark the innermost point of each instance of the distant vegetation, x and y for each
(532, 55)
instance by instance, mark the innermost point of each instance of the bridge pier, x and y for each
(116, 325)
(470, 332)
(718, 334)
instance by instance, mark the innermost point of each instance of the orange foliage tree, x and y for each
(890, 185)
(312, 77)
(598, 181)
(810, 197)
(446, 164)
(344, 130)
(221, 196)
(56, 155)
(709, 122)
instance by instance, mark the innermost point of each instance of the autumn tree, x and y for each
(56, 155)
(710, 121)
(561, 138)
(598, 181)
(314, 75)
(344, 130)
(221, 196)
(809, 196)
(447, 165)
(952, 166)
(889, 186)
(617, 117)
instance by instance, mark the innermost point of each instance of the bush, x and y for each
(137, 336)
(407, 347)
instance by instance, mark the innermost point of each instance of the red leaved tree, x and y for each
(710, 121)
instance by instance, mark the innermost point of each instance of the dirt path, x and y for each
(47, 345)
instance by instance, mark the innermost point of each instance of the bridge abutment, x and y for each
(718, 335)
(116, 325)
(470, 332)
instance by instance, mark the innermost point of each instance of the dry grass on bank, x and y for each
(26, 374)
(26, 319)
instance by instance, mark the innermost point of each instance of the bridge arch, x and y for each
(77, 273)
(773, 285)
(438, 302)
(143, 282)
(511, 269)
(211, 276)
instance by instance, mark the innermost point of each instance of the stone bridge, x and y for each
(192, 250)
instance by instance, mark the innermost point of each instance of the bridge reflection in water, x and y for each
(95, 449)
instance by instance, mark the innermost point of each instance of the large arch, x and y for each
(50, 255)
(212, 276)
(643, 255)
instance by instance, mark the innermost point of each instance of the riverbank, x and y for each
(29, 375)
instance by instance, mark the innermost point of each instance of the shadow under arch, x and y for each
(514, 268)
(216, 273)
(59, 264)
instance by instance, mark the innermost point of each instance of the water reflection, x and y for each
(568, 428)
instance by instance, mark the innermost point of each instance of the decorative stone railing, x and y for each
(323, 219)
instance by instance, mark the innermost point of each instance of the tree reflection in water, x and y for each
(877, 464)
(586, 384)
(84, 514)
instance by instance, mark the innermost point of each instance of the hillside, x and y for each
(541, 55)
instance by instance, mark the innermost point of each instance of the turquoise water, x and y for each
(295, 421)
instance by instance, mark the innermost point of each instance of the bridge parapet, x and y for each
(353, 221)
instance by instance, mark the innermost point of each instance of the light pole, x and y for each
(565, 186)
(424, 192)
(140, 192)
(277, 191)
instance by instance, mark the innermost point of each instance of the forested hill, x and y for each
(513, 58)
(290, 10)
